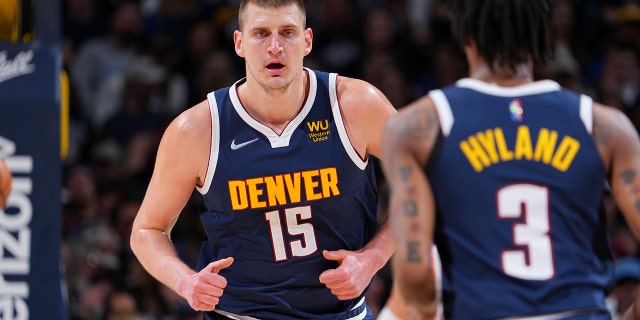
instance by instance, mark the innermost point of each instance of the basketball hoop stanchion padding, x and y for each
(31, 283)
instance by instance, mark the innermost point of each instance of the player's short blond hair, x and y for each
(271, 4)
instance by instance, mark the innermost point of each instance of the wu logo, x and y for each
(318, 125)
(319, 130)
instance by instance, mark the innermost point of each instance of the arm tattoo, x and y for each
(410, 209)
(422, 125)
(628, 176)
(405, 173)
(601, 132)
(412, 252)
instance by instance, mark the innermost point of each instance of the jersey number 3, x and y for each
(532, 201)
(295, 227)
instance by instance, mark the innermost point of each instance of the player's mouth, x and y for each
(275, 67)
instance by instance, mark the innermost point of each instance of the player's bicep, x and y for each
(178, 167)
(624, 159)
(407, 139)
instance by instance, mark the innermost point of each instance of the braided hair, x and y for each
(506, 32)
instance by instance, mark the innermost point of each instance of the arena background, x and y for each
(30, 142)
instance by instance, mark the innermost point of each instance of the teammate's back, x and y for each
(506, 175)
(517, 180)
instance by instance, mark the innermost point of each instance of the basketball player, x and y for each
(395, 308)
(506, 175)
(282, 160)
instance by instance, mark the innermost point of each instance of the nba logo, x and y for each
(515, 108)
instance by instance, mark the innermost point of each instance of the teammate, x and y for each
(506, 174)
(282, 160)
(395, 308)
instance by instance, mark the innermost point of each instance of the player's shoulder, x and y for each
(611, 122)
(354, 89)
(355, 93)
(192, 122)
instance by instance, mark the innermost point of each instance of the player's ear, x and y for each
(308, 39)
(237, 41)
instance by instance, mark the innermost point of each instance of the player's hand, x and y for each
(204, 289)
(352, 276)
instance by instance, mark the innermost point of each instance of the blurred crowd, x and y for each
(134, 65)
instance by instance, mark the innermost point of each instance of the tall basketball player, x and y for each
(282, 159)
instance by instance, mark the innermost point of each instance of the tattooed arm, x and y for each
(618, 143)
(407, 143)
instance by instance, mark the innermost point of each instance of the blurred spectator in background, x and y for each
(121, 305)
(337, 37)
(618, 84)
(83, 20)
(102, 60)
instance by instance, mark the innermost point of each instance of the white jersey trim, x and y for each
(342, 131)
(444, 111)
(215, 143)
(586, 112)
(282, 140)
(522, 90)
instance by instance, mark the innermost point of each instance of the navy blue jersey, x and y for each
(518, 182)
(275, 202)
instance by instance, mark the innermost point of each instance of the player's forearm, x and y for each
(380, 248)
(417, 285)
(158, 256)
(633, 313)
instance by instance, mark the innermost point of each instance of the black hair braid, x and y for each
(506, 32)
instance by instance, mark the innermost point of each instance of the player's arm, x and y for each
(371, 109)
(364, 111)
(181, 164)
(408, 140)
(618, 142)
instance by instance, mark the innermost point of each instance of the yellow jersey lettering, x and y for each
(545, 146)
(310, 184)
(485, 148)
(238, 194)
(283, 189)
(501, 142)
(524, 148)
(255, 193)
(329, 181)
(275, 190)
(488, 142)
(292, 181)
(318, 125)
(565, 153)
(475, 154)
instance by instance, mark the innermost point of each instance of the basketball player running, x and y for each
(281, 159)
(506, 175)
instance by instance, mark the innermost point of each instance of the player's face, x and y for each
(273, 43)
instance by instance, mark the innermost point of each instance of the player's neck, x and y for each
(501, 75)
(275, 108)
